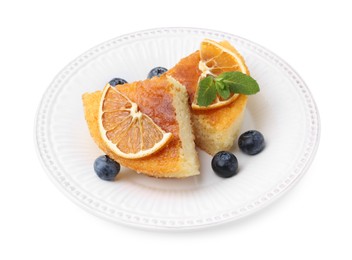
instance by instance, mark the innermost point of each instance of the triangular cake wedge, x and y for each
(215, 129)
(165, 101)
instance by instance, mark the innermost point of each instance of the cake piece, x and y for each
(216, 127)
(163, 102)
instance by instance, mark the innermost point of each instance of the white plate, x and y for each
(284, 111)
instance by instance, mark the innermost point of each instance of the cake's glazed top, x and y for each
(212, 59)
(187, 72)
(154, 98)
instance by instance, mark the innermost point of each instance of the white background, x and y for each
(38, 38)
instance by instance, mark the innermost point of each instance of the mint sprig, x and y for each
(225, 84)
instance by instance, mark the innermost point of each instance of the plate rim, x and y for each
(154, 223)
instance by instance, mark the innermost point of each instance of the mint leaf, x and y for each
(206, 91)
(239, 82)
(222, 89)
(223, 85)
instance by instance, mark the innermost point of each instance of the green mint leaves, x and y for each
(223, 85)
(206, 92)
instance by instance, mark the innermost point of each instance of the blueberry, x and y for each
(157, 71)
(224, 164)
(117, 81)
(106, 168)
(251, 142)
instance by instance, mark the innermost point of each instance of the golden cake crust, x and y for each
(188, 73)
(215, 129)
(154, 98)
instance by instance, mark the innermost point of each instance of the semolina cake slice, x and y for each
(165, 101)
(215, 129)
(218, 129)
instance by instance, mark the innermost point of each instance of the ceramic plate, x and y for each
(284, 111)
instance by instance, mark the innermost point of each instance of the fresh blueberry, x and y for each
(157, 71)
(251, 142)
(224, 164)
(106, 168)
(117, 81)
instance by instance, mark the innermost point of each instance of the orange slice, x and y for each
(125, 130)
(216, 58)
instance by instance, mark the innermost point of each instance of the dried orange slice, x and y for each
(125, 130)
(216, 58)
